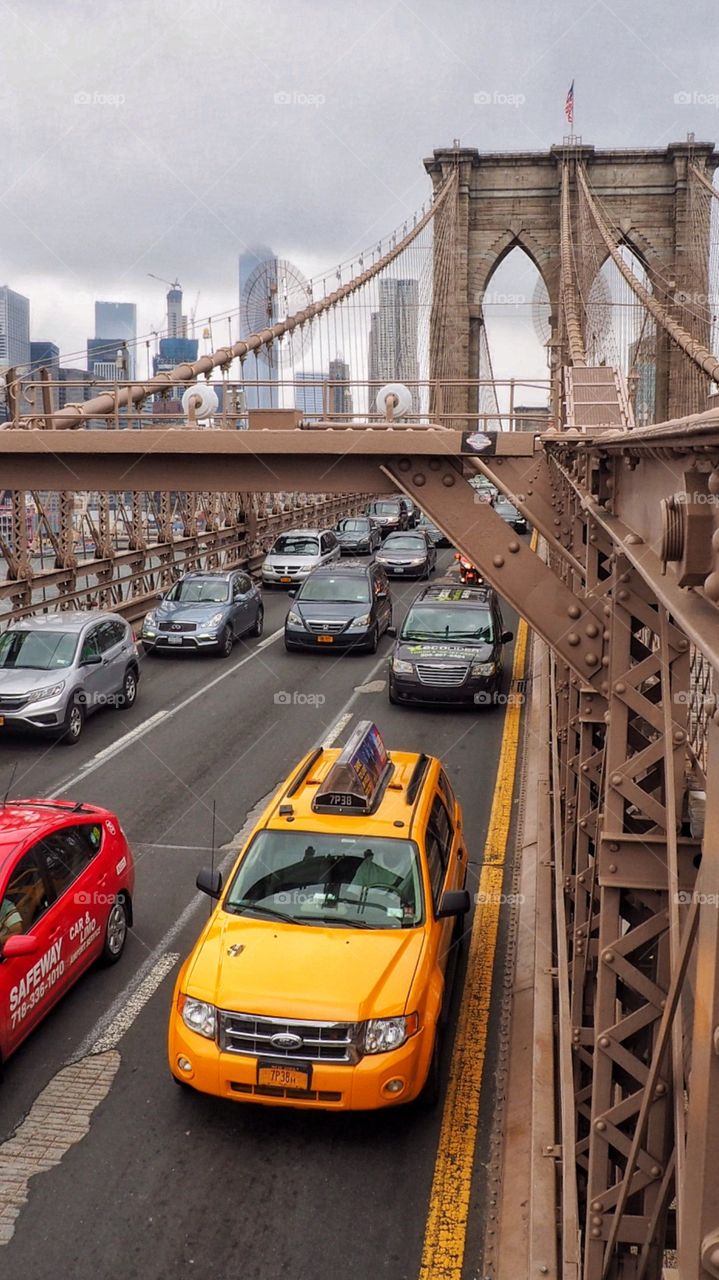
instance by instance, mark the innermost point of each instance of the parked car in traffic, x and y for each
(358, 535)
(411, 554)
(323, 977)
(294, 555)
(510, 514)
(484, 489)
(66, 884)
(205, 610)
(345, 606)
(450, 646)
(390, 514)
(58, 668)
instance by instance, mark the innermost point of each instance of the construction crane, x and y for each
(173, 284)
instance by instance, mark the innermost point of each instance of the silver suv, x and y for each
(58, 668)
(296, 553)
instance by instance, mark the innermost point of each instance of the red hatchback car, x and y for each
(66, 885)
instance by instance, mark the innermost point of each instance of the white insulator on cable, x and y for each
(203, 393)
(401, 395)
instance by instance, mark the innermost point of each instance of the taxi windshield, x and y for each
(308, 878)
(342, 590)
(384, 508)
(199, 591)
(296, 544)
(352, 526)
(447, 622)
(36, 650)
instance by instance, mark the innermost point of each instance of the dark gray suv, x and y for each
(344, 606)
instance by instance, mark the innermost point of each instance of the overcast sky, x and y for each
(168, 136)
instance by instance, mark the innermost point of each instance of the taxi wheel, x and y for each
(392, 697)
(224, 647)
(115, 933)
(73, 726)
(373, 640)
(432, 1088)
(259, 624)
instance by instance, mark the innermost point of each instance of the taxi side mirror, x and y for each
(209, 882)
(392, 631)
(507, 636)
(292, 592)
(455, 902)
(92, 660)
(19, 944)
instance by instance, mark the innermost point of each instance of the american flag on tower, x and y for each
(569, 105)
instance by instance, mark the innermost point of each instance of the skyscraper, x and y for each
(257, 397)
(117, 321)
(392, 345)
(14, 328)
(309, 398)
(340, 397)
(102, 357)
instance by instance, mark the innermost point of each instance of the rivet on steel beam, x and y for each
(605, 635)
(612, 867)
(622, 595)
(624, 577)
(404, 464)
(573, 638)
(421, 479)
(598, 1206)
(574, 611)
(592, 629)
(710, 1255)
(605, 661)
(596, 1231)
(513, 547)
(608, 957)
(600, 1125)
(713, 481)
(607, 611)
(498, 561)
(591, 659)
(660, 1089)
(655, 1171)
(711, 586)
(678, 735)
(596, 1220)
(604, 1042)
(614, 846)
(448, 480)
(434, 464)
(544, 1269)
(616, 779)
(682, 643)
(620, 687)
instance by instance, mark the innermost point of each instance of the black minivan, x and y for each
(340, 606)
(449, 649)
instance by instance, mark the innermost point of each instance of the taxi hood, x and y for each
(304, 971)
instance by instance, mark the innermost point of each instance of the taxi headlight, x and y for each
(199, 1016)
(150, 621)
(215, 620)
(295, 619)
(417, 560)
(384, 1034)
(363, 621)
(483, 668)
(47, 691)
(402, 667)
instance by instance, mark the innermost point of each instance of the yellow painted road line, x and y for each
(446, 1229)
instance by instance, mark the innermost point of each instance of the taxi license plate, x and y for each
(325, 639)
(174, 639)
(278, 1076)
(285, 579)
(2, 720)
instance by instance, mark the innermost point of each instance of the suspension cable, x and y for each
(577, 354)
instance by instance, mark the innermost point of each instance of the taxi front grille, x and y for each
(13, 701)
(447, 677)
(257, 1037)
(178, 626)
(288, 568)
(270, 1091)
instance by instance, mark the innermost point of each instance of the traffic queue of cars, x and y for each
(323, 974)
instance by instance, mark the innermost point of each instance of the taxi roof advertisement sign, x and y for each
(357, 774)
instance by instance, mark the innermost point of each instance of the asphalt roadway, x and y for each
(168, 1184)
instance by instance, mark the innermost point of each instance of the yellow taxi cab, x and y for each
(321, 976)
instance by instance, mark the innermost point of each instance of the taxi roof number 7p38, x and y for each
(321, 976)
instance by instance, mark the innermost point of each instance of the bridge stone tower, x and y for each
(512, 199)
